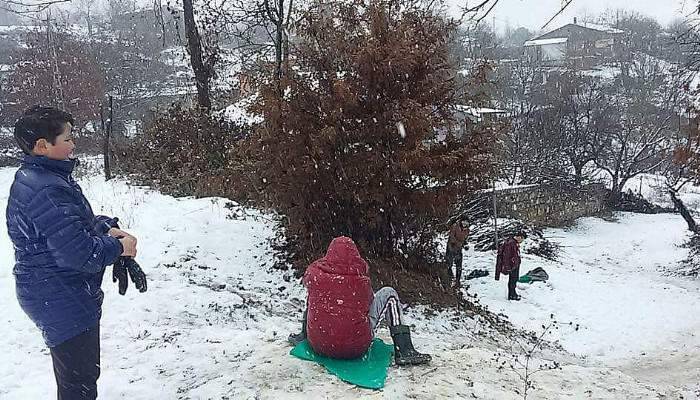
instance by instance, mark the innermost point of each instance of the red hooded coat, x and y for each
(508, 258)
(339, 297)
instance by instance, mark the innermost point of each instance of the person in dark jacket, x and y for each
(459, 232)
(343, 312)
(508, 263)
(61, 250)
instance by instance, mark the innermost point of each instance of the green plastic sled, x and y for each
(370, 371)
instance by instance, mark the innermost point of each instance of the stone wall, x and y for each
(548, 205)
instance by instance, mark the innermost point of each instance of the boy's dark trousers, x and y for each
(512, 281)
(76, 364)
(454, 257)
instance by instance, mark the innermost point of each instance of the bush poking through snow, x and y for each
(523, 359)
(185, 152)
(691, 265)
(482, 236)
(633, 202)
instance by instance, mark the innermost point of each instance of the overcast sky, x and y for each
(532, 14)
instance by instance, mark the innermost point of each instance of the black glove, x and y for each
(136, 274)
(119, 272)
(124, 264)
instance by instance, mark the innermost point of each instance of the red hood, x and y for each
(339, 298)
(343, 258)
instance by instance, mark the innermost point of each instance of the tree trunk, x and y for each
(618, 185)
(202, 72)
(88, 20)
(685, 213)
(578, 174)
(279, 46)
(388, 237)
(615, 193)
(285, 49)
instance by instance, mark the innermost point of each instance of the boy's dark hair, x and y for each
(522, 234)
(40, 122)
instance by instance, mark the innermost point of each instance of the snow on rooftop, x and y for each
(75, 29)
(175, 56)
(599, 27)
(603, 72)
(543, 42)
(505, 186)
(16, 28)
(478, 110)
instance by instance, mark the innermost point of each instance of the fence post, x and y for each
(495, 217)
(107, 129)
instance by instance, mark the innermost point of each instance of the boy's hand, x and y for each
(129, 246)
(117, 233)
(128, 241)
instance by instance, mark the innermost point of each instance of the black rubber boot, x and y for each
(404, 353)
(513, 284)
(296, 338)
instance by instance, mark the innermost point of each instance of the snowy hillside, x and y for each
(214, 322)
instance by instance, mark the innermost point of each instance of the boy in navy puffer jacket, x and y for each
(61, 250)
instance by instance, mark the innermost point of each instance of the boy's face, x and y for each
(62, 150)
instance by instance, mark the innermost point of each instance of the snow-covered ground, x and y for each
(214, 321)
(653, 188)
(609, 282)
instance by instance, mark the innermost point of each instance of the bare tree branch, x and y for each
(558, 12)
(473, 12)
(26, 7)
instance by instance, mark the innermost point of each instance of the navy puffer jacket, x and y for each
(61, 249)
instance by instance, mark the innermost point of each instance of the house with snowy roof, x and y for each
(585, 43)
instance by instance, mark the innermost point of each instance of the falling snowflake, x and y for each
(401, 129)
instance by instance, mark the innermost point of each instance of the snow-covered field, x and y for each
(653, 188)
(609, 282)
(214, 322)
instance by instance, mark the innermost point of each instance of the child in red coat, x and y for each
(508, 263)
(343, 312)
